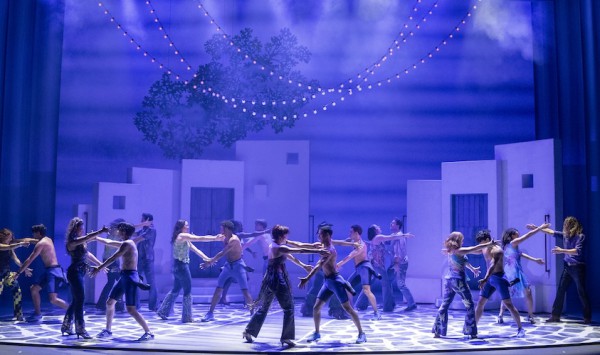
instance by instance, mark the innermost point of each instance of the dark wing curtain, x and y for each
(31, 34)
(567, 81)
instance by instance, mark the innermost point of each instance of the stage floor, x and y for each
(396, 332)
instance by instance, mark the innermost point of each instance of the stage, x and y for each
(396, 332)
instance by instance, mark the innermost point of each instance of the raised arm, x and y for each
(515, 242)
(545, 230)
(75, 242)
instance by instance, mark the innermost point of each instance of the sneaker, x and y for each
(531, 320)
(362, 338)
(410, 308)
(553, 319)
(313, 337)
(520, 333)
(104, 334)
(376, 316)
(499, 320)
(208, 317)
(18, 318)
(34, 318)
(146, 336)
(162, 316)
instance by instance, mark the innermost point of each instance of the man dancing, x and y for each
(494, 280)
(334, 283)
(234, 268)
(127, 284)
(364, 268)
(52, 278)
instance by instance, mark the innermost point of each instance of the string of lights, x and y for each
(243, 103)
(400, 39)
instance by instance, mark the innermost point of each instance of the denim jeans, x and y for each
(572, 273)
(401, 282)
(146, 269)
(75, 275)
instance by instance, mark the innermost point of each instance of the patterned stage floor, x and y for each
(396, 332)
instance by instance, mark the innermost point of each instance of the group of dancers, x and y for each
(504, 273)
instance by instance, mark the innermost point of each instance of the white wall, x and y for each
(276, 191)
(472, 177)
(105, 213)
(530, 205)
(160, 197)
(212, 174)
(426, 262)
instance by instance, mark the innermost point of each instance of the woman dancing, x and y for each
(181, 243)
(276, 284)
(456, 282)
(514, 270)
(574, 268)
(77, 249)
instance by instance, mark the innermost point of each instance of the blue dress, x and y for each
(513, 269)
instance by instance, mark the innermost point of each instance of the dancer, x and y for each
(334, 284)
(381, 259)
(494, 280)
(181, 243)
(234, 268)
(8, 278)
(128, 282)
(276, 284)
(77, 249)
(574, 268)
(401, 262)
(455, 282)
(514, 270)
(145, 246)
(113, 271)
(51, 279)
(364, 268)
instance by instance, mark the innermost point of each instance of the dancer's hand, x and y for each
(94, 271)
(324, 252)
(539, 261)
(303, 282)
(207, 264)
(307, 268)
(557, 250)
(530, 226)
(476, 271)
(482, 283)
(28, 272)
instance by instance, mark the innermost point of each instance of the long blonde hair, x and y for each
(572, 227)
(453, 242)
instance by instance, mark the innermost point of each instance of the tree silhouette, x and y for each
(183, 119)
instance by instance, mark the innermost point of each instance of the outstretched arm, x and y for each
(200, 238)
(536, 260)
(380, 238)
(475, 248)
(515, 242)
(315, 245)
(352, 254)
(109, 261)
(13, 246)
(34, 254)
(297, 261)
(86, 238)
(109, 242)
